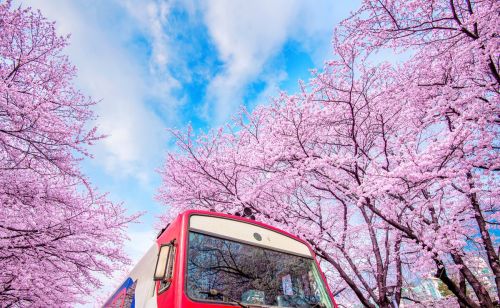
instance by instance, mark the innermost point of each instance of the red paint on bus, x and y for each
(175, 295)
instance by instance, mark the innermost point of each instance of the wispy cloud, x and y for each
(110, 73)
(152, 17)
(249, 33)
(135, 86)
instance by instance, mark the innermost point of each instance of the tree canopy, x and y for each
(56, 230)
(389, 170)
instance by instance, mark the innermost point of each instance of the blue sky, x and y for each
(154, 65)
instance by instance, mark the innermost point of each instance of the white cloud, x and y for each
(246, 33)
(271, 90)
(152, 18)
(249, 33)
(109, 73)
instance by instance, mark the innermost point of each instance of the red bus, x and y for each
(208, 259)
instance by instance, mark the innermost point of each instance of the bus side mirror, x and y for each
(161, 262)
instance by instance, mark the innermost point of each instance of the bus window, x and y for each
(223, 270)
(130, 296)
(118, 301)
(169, 272)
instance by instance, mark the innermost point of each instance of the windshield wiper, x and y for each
(215, 292)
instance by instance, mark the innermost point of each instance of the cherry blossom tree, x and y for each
(56, 230)
(451, 159)
(388, 170)
(292, 164)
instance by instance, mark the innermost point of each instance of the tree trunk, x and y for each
(485, 235)
(463, 287)
(481, 293)
(462, 298)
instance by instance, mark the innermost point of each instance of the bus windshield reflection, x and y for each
(227, 271)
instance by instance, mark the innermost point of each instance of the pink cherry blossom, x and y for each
(57, 232)
(390, 171)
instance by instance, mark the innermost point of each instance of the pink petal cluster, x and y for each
(56, 230)
(390, 171)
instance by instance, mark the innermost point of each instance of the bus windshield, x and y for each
(227, 271)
